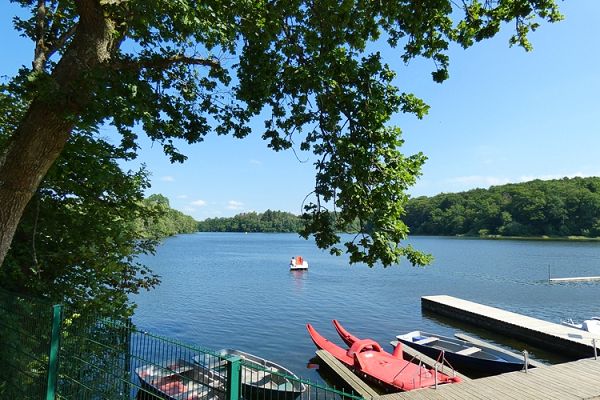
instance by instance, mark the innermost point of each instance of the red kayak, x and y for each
(369, 360)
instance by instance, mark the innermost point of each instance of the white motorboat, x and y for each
(591, 325)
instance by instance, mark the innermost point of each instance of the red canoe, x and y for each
(369, 360)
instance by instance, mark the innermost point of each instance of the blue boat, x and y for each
(461, 355)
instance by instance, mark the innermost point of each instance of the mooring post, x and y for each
(525, 359)
(595, 348)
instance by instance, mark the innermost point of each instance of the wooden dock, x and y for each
(575, 380)
(544, 334)
(575, 279)
(357, 384)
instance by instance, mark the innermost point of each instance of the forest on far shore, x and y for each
(557, 208)
(269, 221)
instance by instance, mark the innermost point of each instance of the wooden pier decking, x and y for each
(574, 380)
(357, 384)
(544, 334)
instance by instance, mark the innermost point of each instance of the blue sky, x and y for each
(504, 115)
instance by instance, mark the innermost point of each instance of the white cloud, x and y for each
(199, 203)
(167, 178)
(255, 162)
(182, 196)
(234, 205)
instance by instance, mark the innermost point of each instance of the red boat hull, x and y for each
(366, 358)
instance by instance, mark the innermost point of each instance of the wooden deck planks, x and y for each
(357, 384)
(576, 380)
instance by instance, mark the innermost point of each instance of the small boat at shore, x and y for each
(368, 360)
(298, 263)
(591, 325)
(261, 378)
(182, 380)
(462, 355)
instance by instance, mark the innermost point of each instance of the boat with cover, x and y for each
(368, 360)
(261, 378)
(182, 380)
(462, 355)
(591, 325)
(298, 263)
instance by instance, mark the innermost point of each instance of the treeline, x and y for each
(563, 207)
(165, 221)
(269, 221)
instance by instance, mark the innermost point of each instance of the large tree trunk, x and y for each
(45, 129)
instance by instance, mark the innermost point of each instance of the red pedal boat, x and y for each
(367, 359)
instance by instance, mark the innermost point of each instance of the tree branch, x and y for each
(61, 41)
(40, 56)
(162, 63)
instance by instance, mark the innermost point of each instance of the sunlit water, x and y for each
(235, 290)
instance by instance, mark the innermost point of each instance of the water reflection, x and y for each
(299, 277)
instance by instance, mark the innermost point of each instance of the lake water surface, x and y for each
(235, 290)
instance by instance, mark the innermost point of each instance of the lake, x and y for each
(235, 290)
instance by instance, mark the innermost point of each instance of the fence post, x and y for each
(53, 356)
(234, 377)
(126, 336)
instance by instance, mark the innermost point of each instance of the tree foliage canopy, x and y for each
(564, 207)
(80, 237)
(179, 70)
(165, 221)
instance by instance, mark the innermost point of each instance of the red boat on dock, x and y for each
(367, 359)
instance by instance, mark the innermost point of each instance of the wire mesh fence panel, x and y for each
(50, 352)
(108, 359)
(264, 380)
(93, 361)
(165, 368)
(25, 328)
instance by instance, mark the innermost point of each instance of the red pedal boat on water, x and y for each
(368, 359)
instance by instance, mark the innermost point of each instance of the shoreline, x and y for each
(530, 238)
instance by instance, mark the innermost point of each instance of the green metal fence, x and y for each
(25, 332)
(50, 352)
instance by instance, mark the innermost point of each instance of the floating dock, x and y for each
(576, 279)
(544, 334)
(575, 380)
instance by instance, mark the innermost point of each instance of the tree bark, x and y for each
(47, 125)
